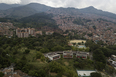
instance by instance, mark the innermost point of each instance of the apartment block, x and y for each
(25, 32)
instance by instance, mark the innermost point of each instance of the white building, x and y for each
(85, 73)
(114, 63)
(53, 56)
(113, 57)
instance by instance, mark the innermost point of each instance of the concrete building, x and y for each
(85, 73)
(38, 32)
(82, 54)
(114, 63)
(49, 32)
(111, 62)
(67, 54)
(25, 32)
(53, 56)
(113, 57)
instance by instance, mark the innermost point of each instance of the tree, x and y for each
(88, 43)
(31, 73)
(42, 58)
(67, 47)
(99, 65)
(1, 74)
(56, 67)
(70, 73)
(0, 66)
(39, 55)
(26, 51)
(99, 56)
(94, 47)
(90, 34)
(74, 48)
(44, 50)
(109, 69)
(74, 43)
(87, 49)
(107, 52)
(100, 42)
(58, 48)
(23, 58)
(22, 63)
(1, 50)
(100, 60)
(41, 73)
(95, 74)
(59, 75)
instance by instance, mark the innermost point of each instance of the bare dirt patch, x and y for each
(53, 74)
(66, 63)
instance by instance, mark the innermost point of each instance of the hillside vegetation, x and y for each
(39, 20)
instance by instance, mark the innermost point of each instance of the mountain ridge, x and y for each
(33, 8)
(24, 10)
(4, 6)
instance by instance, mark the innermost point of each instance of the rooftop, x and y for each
(53, 54)
(85, 72)
(113, 55)
(68, 52)
(82, 52)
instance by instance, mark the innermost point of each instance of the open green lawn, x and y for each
(67, 62)
(31, 58)
(38, 64)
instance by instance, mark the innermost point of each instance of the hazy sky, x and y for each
(106, 5)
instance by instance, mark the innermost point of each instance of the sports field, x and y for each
(77, 41)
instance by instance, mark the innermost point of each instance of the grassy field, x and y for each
(31, 58)
(38, 64)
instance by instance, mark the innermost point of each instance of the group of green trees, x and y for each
(36, 21)
(9, 47)
(44, 43)
(1, 74)
(95, 74)
(83, 63)
(44, 71)
(101, 52)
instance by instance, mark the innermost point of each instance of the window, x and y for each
(65, 56)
